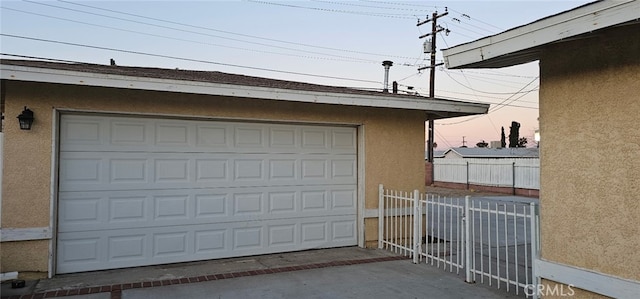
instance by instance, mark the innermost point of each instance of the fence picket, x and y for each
(452, 240)
(507, 172)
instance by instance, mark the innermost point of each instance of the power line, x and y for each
(370, 6)
(185, 59)
(499, 106)
(465, 29)
(43, 58)
(495, 81)
(492, 124)
(235, 33)
(507, 99)
(477, 20)
(443, 139)
(496, 73)
(458, 21)
(343, 58)
(489, 92)
(482, 96)
(396, 16)
(404, 4)
(477, 97)
(478, 101)
(436, 8)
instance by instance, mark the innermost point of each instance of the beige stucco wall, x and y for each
(393, 149)
(590, 153)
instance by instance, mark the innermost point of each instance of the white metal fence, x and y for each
(491, 241)
(516, 173)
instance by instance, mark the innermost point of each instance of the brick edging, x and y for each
(116, 289)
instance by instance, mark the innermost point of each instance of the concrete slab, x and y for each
(91, 296)
(391, 279)
(193, 269)
(510, 198)
(348, 272)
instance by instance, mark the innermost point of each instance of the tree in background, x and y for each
(522, 142)
(503, 142)
(514, 134)
(482, 144)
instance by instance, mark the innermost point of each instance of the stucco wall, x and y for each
(394, 145)
(590, 153)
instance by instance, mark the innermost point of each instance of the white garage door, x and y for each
(140, 191)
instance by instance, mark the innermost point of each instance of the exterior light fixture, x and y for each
(26, 119)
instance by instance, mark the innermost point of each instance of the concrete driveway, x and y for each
(349, 272)
(390, 279)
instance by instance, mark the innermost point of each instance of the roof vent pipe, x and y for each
(387, 64)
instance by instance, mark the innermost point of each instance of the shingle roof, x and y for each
(197, 76)
(225, 84)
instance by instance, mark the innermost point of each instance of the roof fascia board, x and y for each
(46, 75)
(574, 22)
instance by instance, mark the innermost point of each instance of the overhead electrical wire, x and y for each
(496, 73)
(181, 30)
(353, 60)
(478, 101)
(42, 58)
(489, 92)
(395, 16)
(443, 139)
(463, 28)
(498, 107)
(504, 103)
(475, 90)
(492, 124)
(235, 33)
(436, 8)
(495, 81)
(184, 59)
(476, 20)
(239, 40)
(404, 4)
(459, 22)
(370, 6)
(483, 96)
(345, 59)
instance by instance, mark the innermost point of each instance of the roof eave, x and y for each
(438, 107)
(522, 44)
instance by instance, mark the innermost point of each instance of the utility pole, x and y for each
(430, 47)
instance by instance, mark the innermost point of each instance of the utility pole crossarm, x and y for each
(435, 16)
(430, 66)
(431, 33)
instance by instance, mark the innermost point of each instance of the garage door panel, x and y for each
(82, 133)
(94, 171)
(140, 191)
(143, 246)
(83, 211)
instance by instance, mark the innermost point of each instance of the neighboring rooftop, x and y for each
(484, 152)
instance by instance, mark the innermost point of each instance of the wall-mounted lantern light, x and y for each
(26, 119)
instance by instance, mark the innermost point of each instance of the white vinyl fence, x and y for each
(492, 241)
(516, 173)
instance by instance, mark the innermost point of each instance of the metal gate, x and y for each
(492, 240)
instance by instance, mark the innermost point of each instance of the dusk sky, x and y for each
(340, 43)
